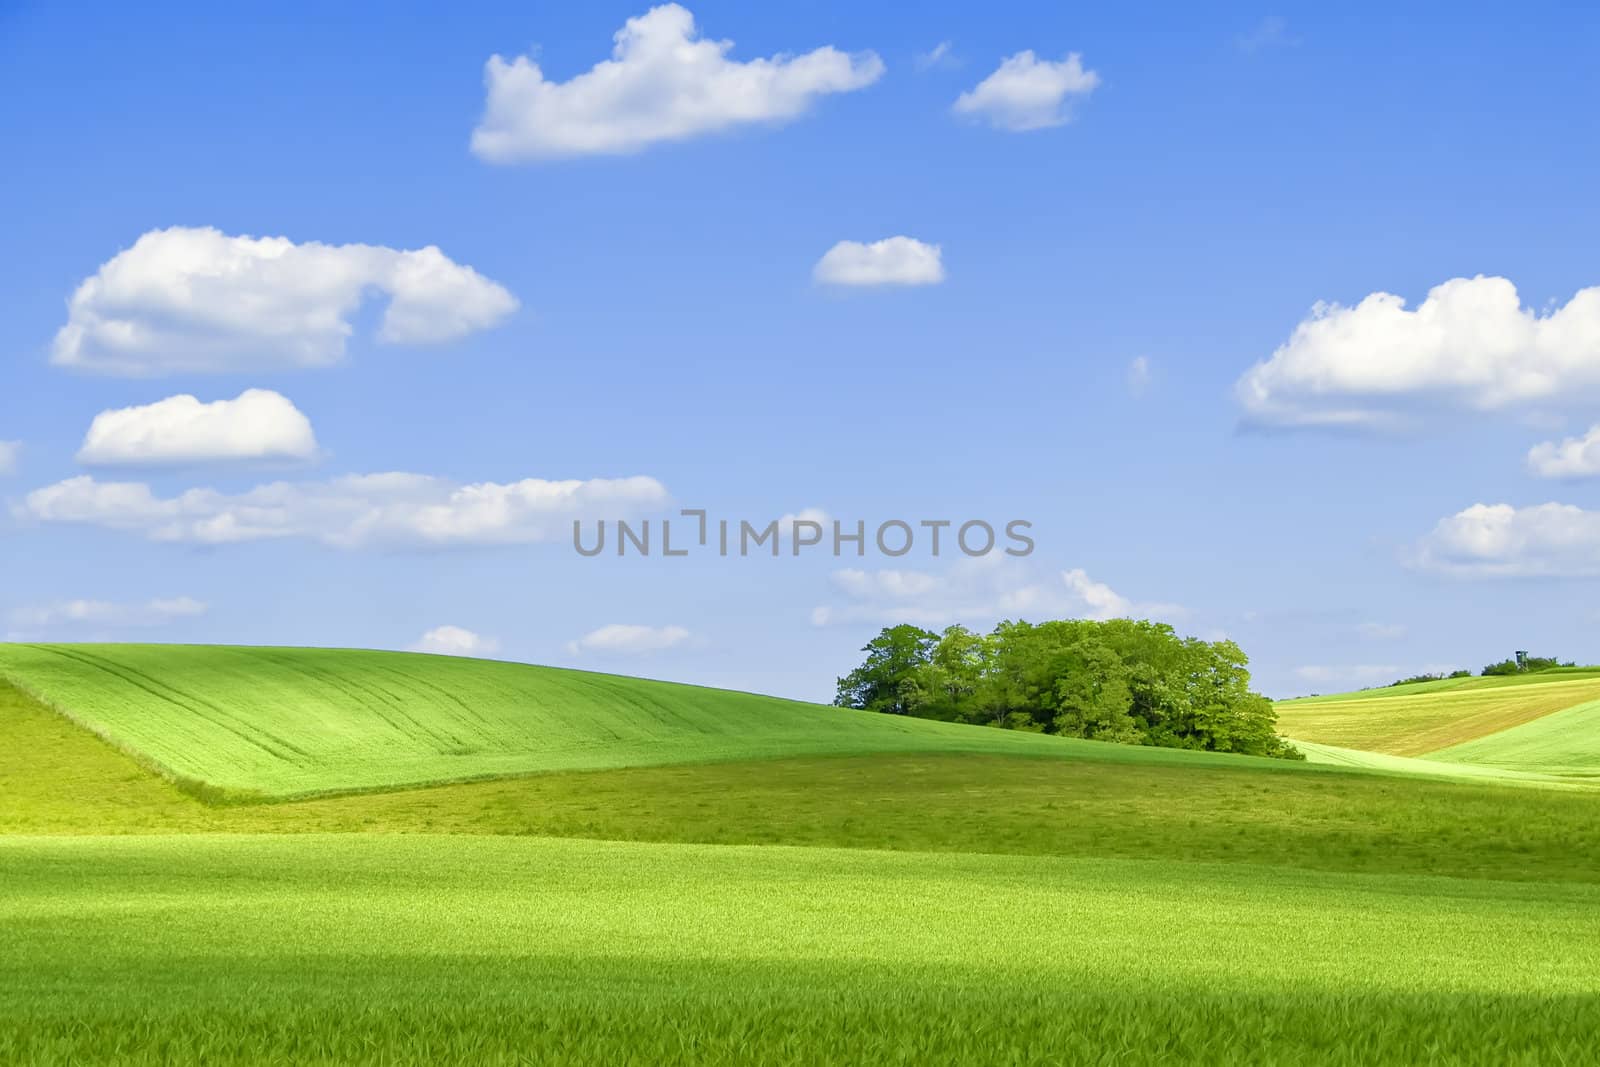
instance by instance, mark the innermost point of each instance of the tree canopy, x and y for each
(1529, 663)
(1121, 680)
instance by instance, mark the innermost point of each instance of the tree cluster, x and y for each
(1530, 663)
(1121, 680)
(1436, 676)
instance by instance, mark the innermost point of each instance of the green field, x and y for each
(886, 891)
(356, 948)
(1565, 742)
(1428, 718)
(1440, 767)
(276, 722)
(1103, 801)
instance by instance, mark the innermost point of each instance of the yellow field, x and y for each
(1414, 724)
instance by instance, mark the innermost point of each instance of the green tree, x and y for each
(1530, 663)
(883, 682)
(946, 686)
(1122, 680)
(1093, 697)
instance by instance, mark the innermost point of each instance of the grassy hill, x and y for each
(1440, 767)
(1565, 742)
(1089, 800)
(278, 723)
(1439, 718)
(282, 722)
(837, 887)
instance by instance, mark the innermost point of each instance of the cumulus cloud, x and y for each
(1470, 344)
(891, 261)
(197, 300)
(1099, 600)
(350, 511)
(105, 613)
(1028, 93)
(977, 591)
(663, 82)
(1575, 457)
(1502, 541)
(259, 425)
(454, 641)
(9, 453)
(624, 639)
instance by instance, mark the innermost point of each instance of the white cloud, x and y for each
(939, 56)
(623, 639)
(350, 511)
(197, 300)
(1028, 93)
(9, 453)
(1140, 375)
(663, 82)
(104, 613)
(259, 425)
(977, 591)
(1575, 457)
(1469, 344)
(812, 515)
(455, 641)
(891, 261)
(1099, 600)
(1270, 32)
(1502, 541)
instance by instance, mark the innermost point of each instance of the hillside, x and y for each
(780, 906)
(1089, 800)
(1565, 742)
(1436, 718)
(277, 723)
(284, 722)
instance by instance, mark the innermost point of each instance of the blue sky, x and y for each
(1227, 170)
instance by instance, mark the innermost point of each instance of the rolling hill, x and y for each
(273, 723)
(1088, 799)
(1424, 717)
(1535, 727)
(227, 722)
(704, 876)
(1565, 742)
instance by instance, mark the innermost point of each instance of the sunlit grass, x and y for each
(57, 778)
(1046, 901)
(1429, 717)
(1566, 742)
(377, 948)
(261, 723)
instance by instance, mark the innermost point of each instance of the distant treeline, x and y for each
(1530, 663)
(1120, 680)
(1505, 666)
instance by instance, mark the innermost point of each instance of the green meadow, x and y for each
(270, 723)
(635, 872)
(1565, 742)
(311, 948)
